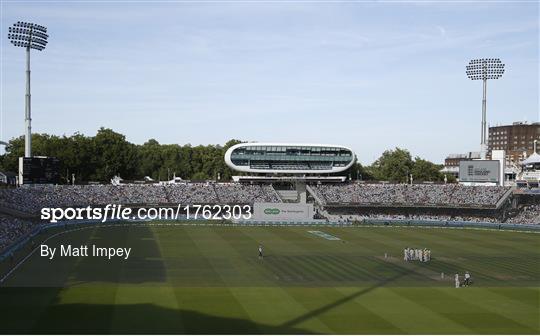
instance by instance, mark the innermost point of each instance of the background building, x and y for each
(516, 139)
(515, 143)
(451, 163)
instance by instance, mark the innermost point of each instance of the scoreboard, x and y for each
(39, 170)
(479, 171)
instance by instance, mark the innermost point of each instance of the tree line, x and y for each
(108, 153)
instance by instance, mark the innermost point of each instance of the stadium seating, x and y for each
(410, 195)
(33, 199)
(528, 214)
(12, 229)
(372, 198)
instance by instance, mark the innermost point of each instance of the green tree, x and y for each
(393, 165)
(150, 159)
(358, 172)
(100, 157)
(424, 170)
(114, 156)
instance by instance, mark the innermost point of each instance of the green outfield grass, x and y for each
(202, 279)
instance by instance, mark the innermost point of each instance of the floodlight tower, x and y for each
(484, 69)
(30, 36)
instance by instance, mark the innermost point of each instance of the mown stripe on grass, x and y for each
(462, 311)
(272, 268)
(319, 261)
(478, 272)
(514, 267)
(406, 314)
(282, 271)
(378, 242)
(223, 302)
(503, 241)
(274, 306)
(295, 269)
(501, 305)
(268, 305)
(340, 312)
(193, 267)
(524, 264)
(523, 295)
(495, 267)
(339, 265)
(323, 272)
(213, 310)
(172, 321)
(453, 241)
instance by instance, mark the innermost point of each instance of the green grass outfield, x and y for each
(208, 279)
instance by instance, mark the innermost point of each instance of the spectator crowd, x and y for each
(453, 195)
(33, 199)
(412, 217)
(529, 214)
(12, 229)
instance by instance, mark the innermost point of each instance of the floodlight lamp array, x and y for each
(25, 34)
(485, 68)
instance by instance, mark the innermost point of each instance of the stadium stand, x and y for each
(528, 214)
(425, 217)
(245, 193)
(191, 193)
(334, 202)
(12, 229)
(33, 199)
(409, 195)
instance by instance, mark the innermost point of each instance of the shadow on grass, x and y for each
(27, 317)
(402, 271)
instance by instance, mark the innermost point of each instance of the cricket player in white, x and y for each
(467, 278)
(457, 280)
(260, 252)
(406, 254)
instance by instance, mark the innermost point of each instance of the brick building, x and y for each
(516, 139)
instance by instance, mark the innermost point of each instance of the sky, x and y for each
(368, 75)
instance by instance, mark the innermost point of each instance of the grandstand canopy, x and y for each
(534, 158)
(286, 158)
